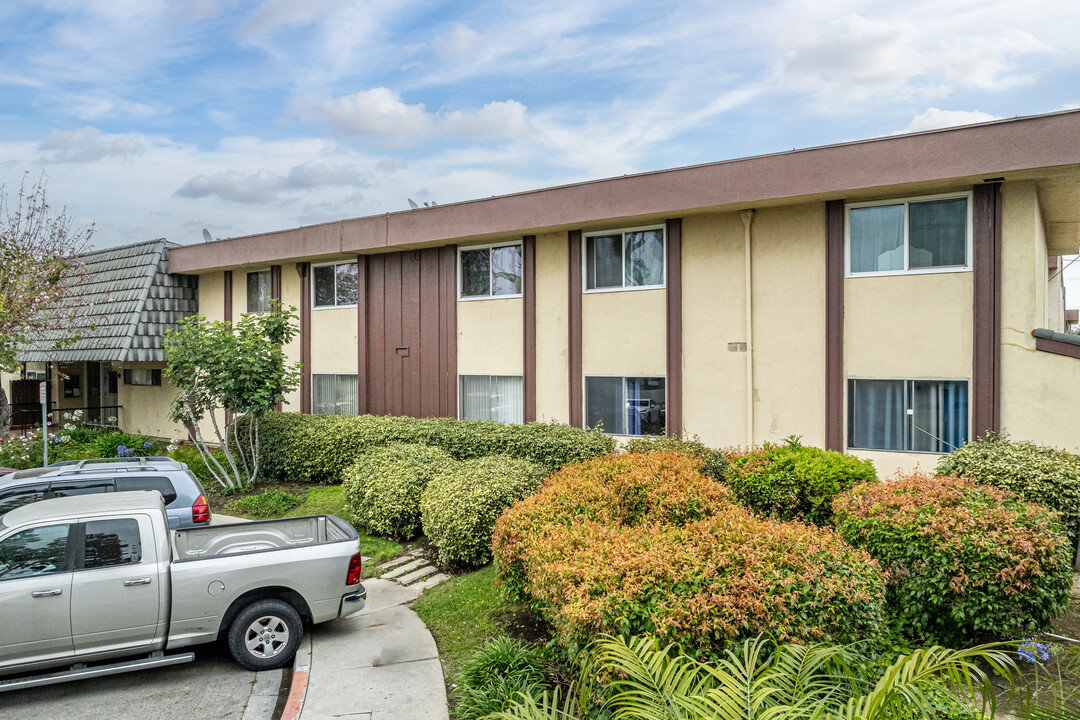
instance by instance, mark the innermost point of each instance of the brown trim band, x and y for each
(361, 335)
(448, 327)
(1057, 347)
(673, 409)
(986, 324)
(834, 325)
(528, 260)
(228, 288)
(303, 269)
(577, 399)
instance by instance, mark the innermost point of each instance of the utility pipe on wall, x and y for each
(748, 220)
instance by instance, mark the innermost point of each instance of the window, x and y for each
(17, 497)
(335, 285)
(258, 291)
(142, 377)
(492, 271)
(492, 397)
(162, 485)
(631, 258)
(927, 234)
(626, 405)
(907, 415)
(112, 542)
(334, 394)
(34, 552)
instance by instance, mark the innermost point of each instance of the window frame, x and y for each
(625, 288)
(336, 374)
(461, 394)
(73, 537)
(489, 247)
(849, 409)
(335, 306)
(247, 283)
(585, 400)
(969, 236)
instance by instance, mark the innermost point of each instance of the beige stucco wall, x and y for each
(552, 329)
(624, 333)
(145, 409)
(290, 297)
(1040, 392)
(212, 295)
(490, 336)
(333, 340)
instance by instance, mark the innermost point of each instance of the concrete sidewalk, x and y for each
(380, 664)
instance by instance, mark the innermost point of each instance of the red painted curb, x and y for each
(297, 692)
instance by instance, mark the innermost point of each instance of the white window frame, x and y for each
(338, 374)
(335, 263)
(906, 202)
(585, 398)
(625, 288)
(461, 397)
(848, 406)
(269, 300)
(461, 279)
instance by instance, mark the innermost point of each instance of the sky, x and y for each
(155, 118)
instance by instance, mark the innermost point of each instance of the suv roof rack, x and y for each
(140, 460)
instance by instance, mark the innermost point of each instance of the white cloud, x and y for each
(933, 118)
(265, 186)
(495, 119)
(379, 111)
(457, 44)
(274, 14)
(89, 145)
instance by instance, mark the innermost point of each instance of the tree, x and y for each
(238, 368)
(38, 264)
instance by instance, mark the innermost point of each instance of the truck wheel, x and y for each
(265, 635)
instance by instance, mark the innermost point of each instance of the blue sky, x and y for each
(156, 119)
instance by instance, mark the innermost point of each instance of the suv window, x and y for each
(112, 542)
(162, 485)
(19, 496)
(69, 488)
(33, 552)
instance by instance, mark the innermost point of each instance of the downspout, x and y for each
(748, 219)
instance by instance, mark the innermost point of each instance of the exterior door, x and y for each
(115, 593)
(35, 594)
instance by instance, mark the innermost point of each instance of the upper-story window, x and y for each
(624, 259)
(334, 285)
(490, 271)
(917, 235)
(258, 291)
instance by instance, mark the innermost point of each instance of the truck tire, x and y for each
(265, 635)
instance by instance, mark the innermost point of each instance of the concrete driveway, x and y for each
(213, 686)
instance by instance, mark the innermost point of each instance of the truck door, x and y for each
(116, 588)
(35, 594)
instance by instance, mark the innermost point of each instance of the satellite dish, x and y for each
(412, 204)
(433, 203)
(206, 235)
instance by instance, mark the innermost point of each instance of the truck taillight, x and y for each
(354, 570)
(200, 511)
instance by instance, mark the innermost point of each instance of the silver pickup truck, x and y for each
(88, 579)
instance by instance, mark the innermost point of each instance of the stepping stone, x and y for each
(394, 562)
(399, 571)
(364, 559)
(416, 575)
(417, 552)
(430, 582)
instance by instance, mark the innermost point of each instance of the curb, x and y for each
(294, 704)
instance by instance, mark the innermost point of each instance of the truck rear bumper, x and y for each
(353, 602)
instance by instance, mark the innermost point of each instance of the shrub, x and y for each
(627, 489)
(383, 487)
(714, 464)
(190, 455)
(460, 506)
(494, 676)
(317, 448)
(962, 560)
(270, 504)
(1036, 473)
(791, 481)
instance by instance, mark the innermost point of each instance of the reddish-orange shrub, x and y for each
(963, 560)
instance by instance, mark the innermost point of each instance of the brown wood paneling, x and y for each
(375, 378)
(1057, 347)
(448, 313)
(986, 326)
(392, 335)
(673, 410)
(430, 345)
(834, 325)
(577, 401)
(303, 269)
(275, 282)
(411, 391)
(528, 280)
(361, 335)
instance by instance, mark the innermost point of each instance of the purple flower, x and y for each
(147, 444)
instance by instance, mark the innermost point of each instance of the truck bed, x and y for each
(218, 540)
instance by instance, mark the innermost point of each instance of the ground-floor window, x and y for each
(334, 394)
(492, 397)
(907, 415)
(626, 405)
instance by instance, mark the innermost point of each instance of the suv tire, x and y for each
(265, 635)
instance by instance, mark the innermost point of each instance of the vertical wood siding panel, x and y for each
(986, 330)
(361, 335)
(304, 270)
(430, 346)
(410, 333)
(448, 301)
(834, 325)
(376, 380)
(528, 246)
(394, 368)
(577, 402)
(227, 313)
(674, 327)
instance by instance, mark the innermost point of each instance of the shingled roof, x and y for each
(127, 299)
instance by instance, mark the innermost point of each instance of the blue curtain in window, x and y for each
(633, 413)
(877, 414)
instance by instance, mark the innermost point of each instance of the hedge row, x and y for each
(317, 448)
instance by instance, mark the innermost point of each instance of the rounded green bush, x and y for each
(460, 506)
(1034, 472)
(794, 482)
(383, 487)
(714, 463)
